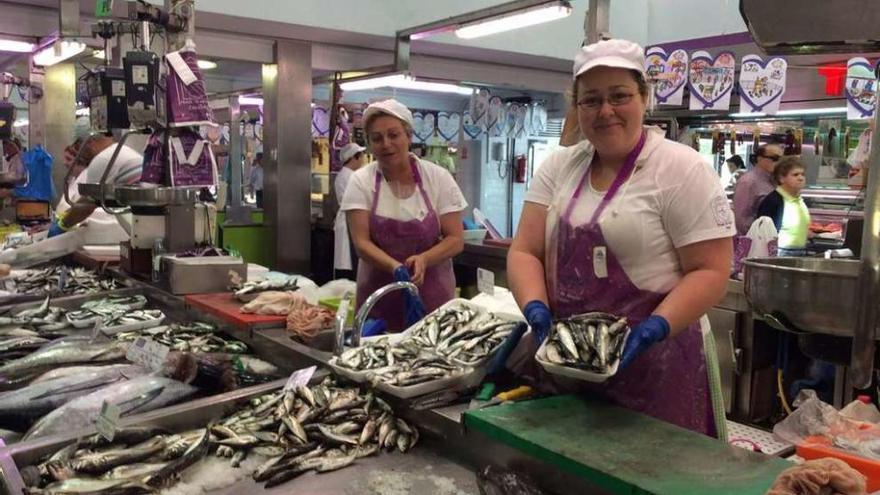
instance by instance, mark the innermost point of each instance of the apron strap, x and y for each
(417, 178)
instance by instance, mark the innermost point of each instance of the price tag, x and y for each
(148, 353)
(103, 8)
(486, 281)
(300, 377)
(107, 420)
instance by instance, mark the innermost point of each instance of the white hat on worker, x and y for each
(348, 151)
(610, 53)
(390, 107)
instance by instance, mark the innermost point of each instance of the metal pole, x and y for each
(237, 213)
(864, 335)
(598, 26)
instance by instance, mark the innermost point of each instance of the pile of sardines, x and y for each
(591, 341)
(55, 373)
(62, 279)
(446, 343)
(319, 428)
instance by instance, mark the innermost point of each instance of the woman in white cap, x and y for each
(352, 157)
(404, 215)
(629, 223)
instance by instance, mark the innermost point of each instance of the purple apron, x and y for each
(400, 240)
(669, 381)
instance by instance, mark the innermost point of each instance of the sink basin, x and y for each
(806, 294)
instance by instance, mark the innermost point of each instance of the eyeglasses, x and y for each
(772, 158)
(614, 99)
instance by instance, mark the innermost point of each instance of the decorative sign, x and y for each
(519, 122)
(486, 281)
(711, 80)
(761, 84)
(669, 74)
(320, 122)
(471, 129)
(539, 118)
(479, 109)
(497, 122)
(300, 378)
(424, 123)
(861, 89)
(510, 113)
(449, 126)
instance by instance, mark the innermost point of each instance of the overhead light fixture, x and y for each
(250, 100)
(58, 51)
(784, 113)
(206, 64)
(515, 20)
(16, 46)
(404, 81)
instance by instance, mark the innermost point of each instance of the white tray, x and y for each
(470, 377)
(577, 374)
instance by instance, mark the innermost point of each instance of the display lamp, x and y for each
(515, 20)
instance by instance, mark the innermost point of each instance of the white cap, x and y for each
(348, 151)
(390, 107)
(610, 53)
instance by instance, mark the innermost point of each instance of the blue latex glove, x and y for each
(401, 274)
(55, 229)
(539, 317)
(654, 329)
(373, 327)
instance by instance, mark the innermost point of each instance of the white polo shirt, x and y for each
(439, 185)
(672, 200)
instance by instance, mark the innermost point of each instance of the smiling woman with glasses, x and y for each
(754, 186)
(630, 223)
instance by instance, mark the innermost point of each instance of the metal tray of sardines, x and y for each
(447, 350)
(585, 347)
(97, 309)
(59, 280)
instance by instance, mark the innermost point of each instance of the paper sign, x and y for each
(107, 420)
(761, 84)
(300, 378)
(486, 281)
(147, 353)
(103, 8)
(669, 74)
(861, 89)
(711, 80)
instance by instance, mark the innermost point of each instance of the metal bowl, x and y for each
(806, 294)
(156, 196)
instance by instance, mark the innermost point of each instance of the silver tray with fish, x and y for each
(421, 359)
(39, 282)
(576, 356)
(96, 309)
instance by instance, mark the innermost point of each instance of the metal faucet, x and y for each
(362, 313)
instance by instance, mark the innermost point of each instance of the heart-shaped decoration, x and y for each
(522, 116)
(762, 83)
(510, 122)
(448, 125)
(428, 130)
(496, 123)
(479, 108)
(669, 73)
(539, 119)
(711, 79)
(471, 130)
(418, 127)
(320, 122)
(861, 87)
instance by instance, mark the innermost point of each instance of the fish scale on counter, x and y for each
(444, 343)
(318, 428)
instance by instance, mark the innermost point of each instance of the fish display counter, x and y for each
(60, 362)
(59, 280)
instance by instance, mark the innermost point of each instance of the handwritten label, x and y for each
(300, 378)
(147, 353)
(486, 281)
(107, 420)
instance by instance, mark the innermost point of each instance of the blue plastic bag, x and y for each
(39, 187)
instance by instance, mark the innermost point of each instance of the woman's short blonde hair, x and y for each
(369, 122)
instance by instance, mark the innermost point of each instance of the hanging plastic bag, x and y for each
(192, 160)
(153, 171)
(187, 99)
(759, 242)
(39, 187)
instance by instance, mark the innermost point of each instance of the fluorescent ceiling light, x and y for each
(207, 64)
(58, 51)
(250, 100)
(516, 20)
(805, 111)
(404, 81)
(16, 46)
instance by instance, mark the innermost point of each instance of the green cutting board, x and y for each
(623, 451)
